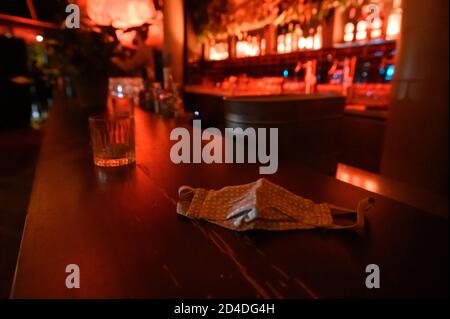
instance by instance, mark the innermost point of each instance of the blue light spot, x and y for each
(389, 72)
(196, 113)
(285, 73)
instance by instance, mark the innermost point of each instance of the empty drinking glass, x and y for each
(124, 94)
(121, 105)
(112, 140)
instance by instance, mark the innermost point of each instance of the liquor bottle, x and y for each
(262, 46)
(376, 29)
(256, 46)
(318, 38)
(296, 37)
(361, 26)
(281, 40)
(302, 39)
(245, 44)
(394, 21)
(239, 45)
(375, 19)
(309, 34)
(168, 79)
(361, 30)
(288, 38)
(349, 28)
(317, 30)
(310, 39)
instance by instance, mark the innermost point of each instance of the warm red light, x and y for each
(357, 178)
(348, 32)
(120, 14)
(218, 51)
(394, 21)
(126, 38)
(361, 30)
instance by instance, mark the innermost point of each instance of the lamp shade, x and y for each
(121, 14)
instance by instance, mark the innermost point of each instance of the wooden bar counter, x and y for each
(121, 228)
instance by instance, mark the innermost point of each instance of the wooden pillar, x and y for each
(173, 51)
(416, 145)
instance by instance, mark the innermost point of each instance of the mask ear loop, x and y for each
(185, 196)
(363, 206)
(185, 193)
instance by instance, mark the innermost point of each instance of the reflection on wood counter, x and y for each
(121, 228)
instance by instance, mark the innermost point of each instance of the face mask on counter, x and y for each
(264, 205)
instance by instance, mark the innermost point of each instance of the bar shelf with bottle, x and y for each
(351, 53)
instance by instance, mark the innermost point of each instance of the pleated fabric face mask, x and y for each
(263, 205)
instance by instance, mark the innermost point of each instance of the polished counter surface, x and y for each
(121, 228)
(219, 93)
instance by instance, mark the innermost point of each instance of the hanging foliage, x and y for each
(212, 17)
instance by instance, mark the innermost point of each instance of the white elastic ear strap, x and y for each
(363, 206)
(185, 193)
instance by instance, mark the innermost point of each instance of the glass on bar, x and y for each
(156, 90)
(121, 105)
(112, 140)
(124, 94)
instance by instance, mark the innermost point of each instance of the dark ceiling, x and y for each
(46, 10)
